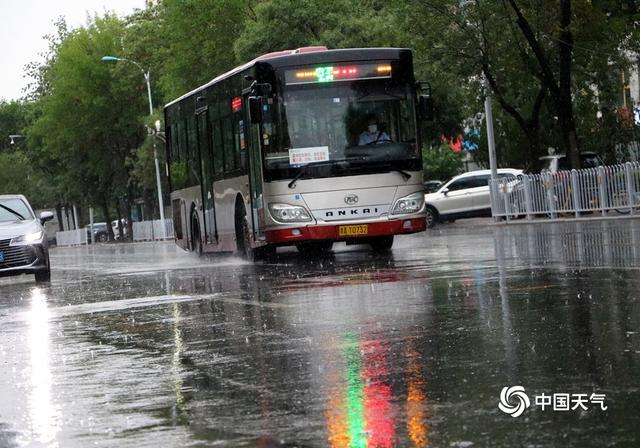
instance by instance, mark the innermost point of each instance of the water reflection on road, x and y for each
(146, 346)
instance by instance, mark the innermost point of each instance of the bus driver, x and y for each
(373, 134)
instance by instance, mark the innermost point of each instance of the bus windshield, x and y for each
(367, 124)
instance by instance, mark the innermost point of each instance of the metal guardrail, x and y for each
(142, 231)
(152, 230)
(71, 238)
(601, 189)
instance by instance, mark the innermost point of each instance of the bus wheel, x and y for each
(196, 244)
(382, 244)
(243, 238)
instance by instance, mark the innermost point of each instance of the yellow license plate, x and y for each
(353, 230)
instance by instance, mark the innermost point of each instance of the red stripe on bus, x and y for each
(330, 232)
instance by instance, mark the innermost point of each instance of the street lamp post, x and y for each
(147, 78)
(14, 137)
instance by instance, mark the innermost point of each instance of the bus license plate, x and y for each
(353, 230)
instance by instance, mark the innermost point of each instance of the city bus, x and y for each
(301, 147)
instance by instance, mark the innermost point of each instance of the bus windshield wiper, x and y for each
(10, 210)
(406, 176)
(303, 169)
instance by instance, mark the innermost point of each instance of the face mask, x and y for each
(373, 128)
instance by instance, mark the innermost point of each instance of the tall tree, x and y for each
(540, 64)
(289, 24)
(88, 118)
(199, 38)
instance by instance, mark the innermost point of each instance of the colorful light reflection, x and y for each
(360, 409)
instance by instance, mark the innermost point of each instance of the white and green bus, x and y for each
(304, 147)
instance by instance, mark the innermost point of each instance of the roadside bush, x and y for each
(441, 163)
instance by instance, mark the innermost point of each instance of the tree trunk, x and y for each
(59, 216)
(565, 104)
(107, 217)
(119, 218)
(129, 205)
(560, 90)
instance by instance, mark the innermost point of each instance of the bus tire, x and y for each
(243, 238)
(432, 217)
(382, 244)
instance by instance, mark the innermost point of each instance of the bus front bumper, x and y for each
(336, 232)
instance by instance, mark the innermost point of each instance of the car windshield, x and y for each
(14, 209)
(360, 126)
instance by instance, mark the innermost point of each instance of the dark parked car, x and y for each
(23, 243)
(100, 232)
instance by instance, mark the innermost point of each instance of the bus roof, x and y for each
(304, 55)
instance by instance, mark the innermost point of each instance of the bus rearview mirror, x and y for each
(255, 110)
(425, 106)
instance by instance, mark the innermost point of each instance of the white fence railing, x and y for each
(599, 189)
(142, 231)
(71, 237)
(153, 230)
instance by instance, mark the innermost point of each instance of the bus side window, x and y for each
(193, 153)
(229, 147)
(236, 141)
(218, 153)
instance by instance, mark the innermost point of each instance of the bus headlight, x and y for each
(408, 204)
(289, 213)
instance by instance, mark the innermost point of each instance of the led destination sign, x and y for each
(333, 73)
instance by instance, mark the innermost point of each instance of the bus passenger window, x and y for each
(236, 144)
(218, 154)
(229, 146)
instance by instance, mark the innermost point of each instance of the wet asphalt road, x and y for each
(146, 346)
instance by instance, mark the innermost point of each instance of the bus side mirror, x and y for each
(255, 111)
(425, 107)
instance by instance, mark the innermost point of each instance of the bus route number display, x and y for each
(333, 73)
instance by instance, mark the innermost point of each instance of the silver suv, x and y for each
(464, 196)
(23, 241)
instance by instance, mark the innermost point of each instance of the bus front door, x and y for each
(250, 139)
(205, 145)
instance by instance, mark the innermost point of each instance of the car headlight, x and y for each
(408, 204)
(29, 238)
(289, 213)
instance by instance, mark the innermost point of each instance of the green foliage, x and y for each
(288, 24)
(441, 163)
(459, 41)
(16, 175)
(200, 35)
(14, 118)
(88, 124)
